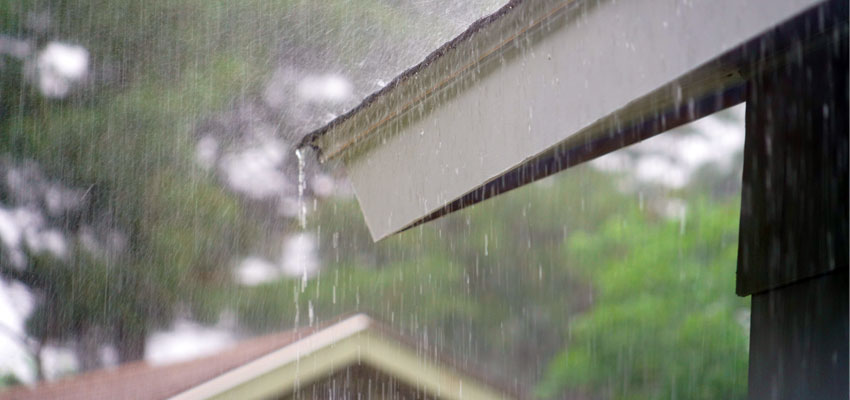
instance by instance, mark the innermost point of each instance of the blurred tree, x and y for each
(666, 322)
(150, 232)
(484, 285)
(150, 228)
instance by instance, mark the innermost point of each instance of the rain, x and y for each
(221, 186)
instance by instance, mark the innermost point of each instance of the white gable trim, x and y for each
(320, 354)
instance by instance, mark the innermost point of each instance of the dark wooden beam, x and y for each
(793, 245)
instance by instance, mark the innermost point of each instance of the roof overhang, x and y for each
(543, 85)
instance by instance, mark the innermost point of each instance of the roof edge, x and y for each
(406, 74)
(292, 352)
(397, 86)
(358, 338)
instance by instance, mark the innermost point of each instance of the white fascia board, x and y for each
(292, 355)
(544, 73)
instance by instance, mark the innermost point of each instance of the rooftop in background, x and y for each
(142, 380)
(349, 350)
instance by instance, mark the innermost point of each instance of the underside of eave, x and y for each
(702, 98)
(675, 79)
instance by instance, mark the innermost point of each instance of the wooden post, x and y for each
(793, 252)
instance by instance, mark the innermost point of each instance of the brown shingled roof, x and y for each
(141, 380)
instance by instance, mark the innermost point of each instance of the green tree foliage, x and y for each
(126, 138)
(665, 322)
(485, 285)
(644, 300)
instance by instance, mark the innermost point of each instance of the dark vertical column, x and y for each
(798, 340)
(793, 253)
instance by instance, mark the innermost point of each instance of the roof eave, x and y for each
(484, 39)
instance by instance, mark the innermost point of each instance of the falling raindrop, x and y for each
(302, 186)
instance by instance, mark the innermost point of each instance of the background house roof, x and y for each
(141, 380)
(354, 341)
(206, 376)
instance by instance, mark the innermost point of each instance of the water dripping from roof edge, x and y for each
(302, 185)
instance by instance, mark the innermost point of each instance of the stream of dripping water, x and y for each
(302, 186)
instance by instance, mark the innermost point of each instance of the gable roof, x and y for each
(277, 364)
(357, 340)
(142, 380)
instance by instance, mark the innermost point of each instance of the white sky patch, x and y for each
(14, 47)
(25, 226)
(185, 341)
(206, 151)
(299, 255)
(59, 66)
(325, 88)
(674, 208)
(108, 356)
(253, 271)
(659, 169)
(49, 240)
(670, 159)
(289, 207)
(612, 162)
(255, 171)
(299, 258)
(59, 199)
(322, 185)
(58, 362)
(16, 304)
(10, 231)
